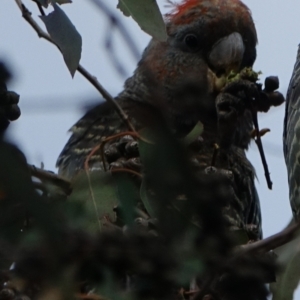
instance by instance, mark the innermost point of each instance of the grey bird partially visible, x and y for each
(206, 40)
(291, 138)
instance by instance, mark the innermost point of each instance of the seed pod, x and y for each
(271, 84)
(276, 98)
(132, 149)
(123, 141)
(112, 153)
(13, 112)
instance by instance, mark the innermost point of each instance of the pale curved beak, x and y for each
(227, 54)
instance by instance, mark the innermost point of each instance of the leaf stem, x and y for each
(92, 79)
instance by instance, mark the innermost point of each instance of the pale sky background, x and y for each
(51, 101)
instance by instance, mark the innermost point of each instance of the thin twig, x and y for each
(100, 147)
(87, 171)
(92, 79)
(105, 94)
(55, 179)
(26, 14)
(273, 241)
(94, 150)
(93, 199)
(40, 7)
(261, 149)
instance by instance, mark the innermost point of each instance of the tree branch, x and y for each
(92, 79)
(261, 149)
(55, 179)
(274, 241)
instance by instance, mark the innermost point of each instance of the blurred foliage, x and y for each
(102, 243)
(65, 36)
(288, 275)
(147, 15)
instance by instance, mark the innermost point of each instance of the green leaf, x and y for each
(65, 35)
(147, 14)
(163, 195)
(194, 133)
(123, 8)
(128, 197)
(147, 150)
(97, 192)
(149, 201)
(289, 276)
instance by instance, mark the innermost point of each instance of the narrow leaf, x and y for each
(97, 192)
(123, 8)
(147, 14)
(149, 201)
(65, 35)
(147, 153)
(194, 133)
(128, 196)
(287, 280)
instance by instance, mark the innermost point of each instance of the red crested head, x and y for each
(187, 10)
(212, 20)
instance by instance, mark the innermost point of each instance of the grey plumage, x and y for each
(291, 137)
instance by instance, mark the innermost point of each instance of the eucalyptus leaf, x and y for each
(194, 133)
(147, 150)
(149, 201)
(148, 16)
(97, 191)
(123, 8)
(288, 277)
(65, 35)
(128, 196)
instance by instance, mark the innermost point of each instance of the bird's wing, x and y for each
(94, 127)
(254, 216)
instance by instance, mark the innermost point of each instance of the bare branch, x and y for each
(92, 79)
(26, 14)
(274, 241)
(55, 179)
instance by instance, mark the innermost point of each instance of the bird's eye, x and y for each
(191, 40)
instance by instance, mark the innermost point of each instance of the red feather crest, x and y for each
(205, 5)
